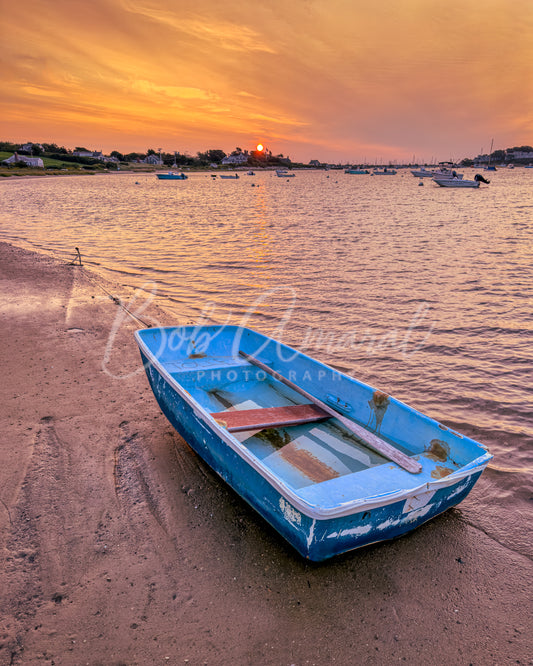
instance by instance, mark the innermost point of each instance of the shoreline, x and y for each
(118, 540)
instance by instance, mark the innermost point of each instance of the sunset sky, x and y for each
(335, 80)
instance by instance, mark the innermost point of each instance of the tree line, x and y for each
(201, 159)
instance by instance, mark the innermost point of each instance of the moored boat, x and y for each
(229, 177)
(457, 182)
(384, 172)
(171, 176)
(330, 462)
(422, 173)
(443, 174)
(359, 172)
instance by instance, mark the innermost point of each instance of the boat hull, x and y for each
(422, 173)
(315, 533)
(171, 176)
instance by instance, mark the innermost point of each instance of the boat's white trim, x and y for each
(312, 511)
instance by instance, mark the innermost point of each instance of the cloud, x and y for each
(219, 34)
(175, 92)
(347, 74)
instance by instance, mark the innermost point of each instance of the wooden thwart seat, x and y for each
(270, 417)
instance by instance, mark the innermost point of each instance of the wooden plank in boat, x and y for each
(269, 417)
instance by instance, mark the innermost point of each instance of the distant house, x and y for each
(240, 158)
(30, 161)
(92, 154)
(315, 163)
(152, 159)
(28, 147)
(519, 155)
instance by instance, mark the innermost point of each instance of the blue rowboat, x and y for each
(359, 172)
(171, 176)
(330, 462)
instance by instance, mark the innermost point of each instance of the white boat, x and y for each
(284, 174)
(422, 173)
(447, 173)
(457, 182)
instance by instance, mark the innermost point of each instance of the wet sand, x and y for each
(120, 546)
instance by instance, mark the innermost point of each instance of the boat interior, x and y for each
(296, 440)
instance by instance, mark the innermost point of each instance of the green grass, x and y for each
(48, 162)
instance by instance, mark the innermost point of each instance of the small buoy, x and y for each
(421, 183)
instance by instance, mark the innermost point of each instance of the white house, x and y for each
(240, 158)
(153, 159)
(519, 155)
(93, 154)
(28, 147)
(30, 161)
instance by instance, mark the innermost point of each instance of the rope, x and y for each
(115, 299)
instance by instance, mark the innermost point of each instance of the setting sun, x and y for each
(259, 147)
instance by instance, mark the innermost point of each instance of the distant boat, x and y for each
(447, 173)
(171, 176)
(250, 173)
(384, 172)
(422, 173)
(452, 182)
(490, 167)
(457, 182)
(280, 173)
(357, 171)
(229, 177)
(331, 463)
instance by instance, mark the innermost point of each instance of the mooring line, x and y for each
(77, 262)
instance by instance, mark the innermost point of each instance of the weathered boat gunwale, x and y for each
(312, 510)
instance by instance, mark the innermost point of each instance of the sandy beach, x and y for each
(120, 546)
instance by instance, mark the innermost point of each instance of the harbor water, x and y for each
(422, 292)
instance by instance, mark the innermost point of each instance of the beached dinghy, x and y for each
(330, 462)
